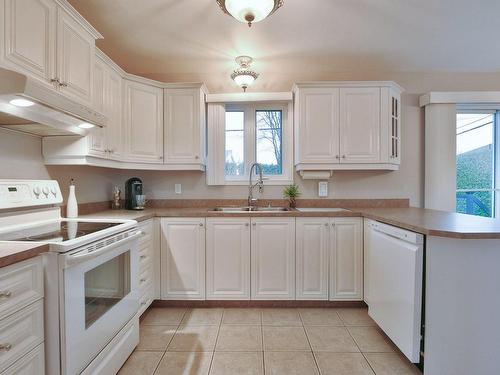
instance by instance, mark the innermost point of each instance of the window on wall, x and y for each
(257, 133)
(477, 162)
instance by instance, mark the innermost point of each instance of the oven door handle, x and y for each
(71, 260)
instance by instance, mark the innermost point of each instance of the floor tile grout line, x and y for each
(309, 341)
(158, 364)
(363, 354)
(215, 345)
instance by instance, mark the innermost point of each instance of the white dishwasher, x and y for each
(395, 271)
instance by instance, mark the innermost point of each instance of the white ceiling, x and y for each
(190, 40)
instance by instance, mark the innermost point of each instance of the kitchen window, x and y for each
(477, 167)
(252, 133)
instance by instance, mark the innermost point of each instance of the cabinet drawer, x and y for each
(20, 285)
(147, 228)
(145, 259)
(21, 332)
(146, 300)
(146, 277)
(32, 363)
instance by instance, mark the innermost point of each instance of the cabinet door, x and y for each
(346, 259)
(312, 248)
(30, 37)
(75, 58)
(97, 144)
(318, 127)
(273, 258)
(360, 125)
(183, 258)
(228, 258)
(113, 99)
(144, 123)
(183, 124)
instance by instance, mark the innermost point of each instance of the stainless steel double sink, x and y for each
(252, 209)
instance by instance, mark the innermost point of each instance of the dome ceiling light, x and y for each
(250, 11)
(244, 76)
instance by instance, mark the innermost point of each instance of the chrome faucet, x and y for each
(260, 183)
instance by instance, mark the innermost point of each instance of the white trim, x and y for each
(346, 167)
(458, 97)
(316, 84)
(68, 8)
(250, 97)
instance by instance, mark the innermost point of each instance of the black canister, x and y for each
(133, 188)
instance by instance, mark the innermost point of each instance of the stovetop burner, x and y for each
(57, 231)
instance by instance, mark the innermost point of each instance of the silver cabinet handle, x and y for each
(326, 224)
(142, 233)
(6, 294)
(337, 157)
(201, 224)
(196, 157)
(143, 280)
(160, 157)
(254, 224)
(55, 80)
(143, 303)
(63, 84)
(343, 156)
(5, 347)
(247, 225)
(143, 257)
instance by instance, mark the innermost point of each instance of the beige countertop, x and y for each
(428, 222)
(11, 253)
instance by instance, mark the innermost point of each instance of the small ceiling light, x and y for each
(21, 102)
(244, 76)
(250, 11)
(86, 125)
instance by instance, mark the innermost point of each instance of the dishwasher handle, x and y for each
(396, 232)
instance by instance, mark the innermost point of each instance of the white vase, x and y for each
(72, 207)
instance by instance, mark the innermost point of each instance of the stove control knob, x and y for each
(45, 191)
(37, 191)
(53, 191)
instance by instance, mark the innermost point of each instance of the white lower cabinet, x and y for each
(346, 259)
(312, 249)
(273, 258)
(228, 258)
(149, 267)
(182, 258)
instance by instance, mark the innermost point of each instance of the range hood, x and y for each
(48, 112)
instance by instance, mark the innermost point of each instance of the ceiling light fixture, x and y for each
(244, 76)
(250, 11)
(21, 102)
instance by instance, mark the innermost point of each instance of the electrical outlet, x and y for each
(178, 189)
(323, 189)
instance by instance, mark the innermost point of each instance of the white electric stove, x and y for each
(91, 278)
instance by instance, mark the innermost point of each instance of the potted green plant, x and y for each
(291, 192)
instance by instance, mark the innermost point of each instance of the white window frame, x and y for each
(494, 110)
(217, 147)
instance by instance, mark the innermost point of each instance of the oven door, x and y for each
(100, 297)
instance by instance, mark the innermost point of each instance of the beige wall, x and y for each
(20, 155)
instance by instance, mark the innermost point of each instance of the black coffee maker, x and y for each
(133, 188)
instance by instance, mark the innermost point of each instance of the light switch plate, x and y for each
(178, 188)
(323, 189)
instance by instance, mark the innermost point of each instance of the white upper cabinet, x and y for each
(114, 113)
(346, 259)
(185, 127)
(360, 130)
(97, 136)
(312, 254)
(75, 58)
(317, 137)
(228, 258)
(143, 123)
(50, 42)
(273, 258)
(347, 125)
(29, 29)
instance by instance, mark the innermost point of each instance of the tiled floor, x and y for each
(263, 341)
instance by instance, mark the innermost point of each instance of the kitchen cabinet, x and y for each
(346, 259)
(52, 43)
(29, 40)
(149, 264)
(106, 142)
(228, 258)
(347, 126)
(143, 123)
(75, 58)
(273, 258)
(312, 255)
(184, 143)
(182, 258)
(360, 130)
(316, 140)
